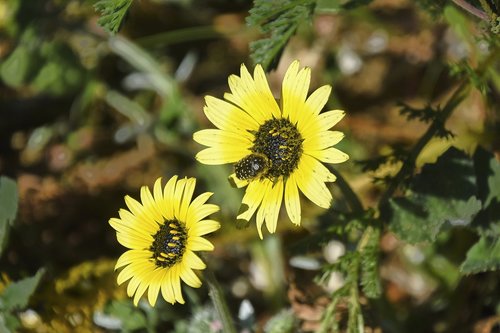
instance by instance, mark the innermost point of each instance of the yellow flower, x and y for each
(276, 150)
(162, 232)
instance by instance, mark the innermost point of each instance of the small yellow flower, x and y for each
(162, 233)
(276, 150)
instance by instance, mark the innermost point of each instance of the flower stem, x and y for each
(471, 9)
(347, 191)
(410, 162)
(217, 296)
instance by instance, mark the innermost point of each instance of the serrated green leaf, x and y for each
(8, 208)
(280, 19)
(419, 218)
(482, 256)
(16, 295)
(112, 13)
(443, 192)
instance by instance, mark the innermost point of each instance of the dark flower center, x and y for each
(169, 244)
(276, 151)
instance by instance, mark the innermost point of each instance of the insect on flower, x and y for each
(252, 166)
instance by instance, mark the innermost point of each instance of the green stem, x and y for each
(351, 197)
(179, 36)
(328, 321)
(487, 9)
(217, 296)
(471, 9)
(410, 162)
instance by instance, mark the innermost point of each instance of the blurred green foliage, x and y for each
(87, 116)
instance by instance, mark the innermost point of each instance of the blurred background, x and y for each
(87, 117)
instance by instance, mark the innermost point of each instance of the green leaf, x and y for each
(370, 280)
(112, 13)
(8, 208)
(442, 192)
(493, 181)
(15, 69)
(8, 323)
(16, 295)
(279, 19)
(482, 256)
(283, 322)
(487, 222)
(132, 318)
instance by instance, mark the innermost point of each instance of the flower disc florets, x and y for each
(280, 141)
(169, 244)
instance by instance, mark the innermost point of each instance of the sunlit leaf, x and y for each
(482, 256)
(442, 192)
(112, 13)
(8, 208)
(15, 68)
(131, 317)
(279, 19)
(17, 294)
(8, 323)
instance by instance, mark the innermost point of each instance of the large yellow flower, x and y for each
(276, 150)
(162, 232)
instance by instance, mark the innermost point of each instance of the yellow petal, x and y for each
(196, 205)
(315, 124)
(135, 222)
(167, 289)
(265, 93)
(202, 212)
(192, 260)
(314, 190)
(255, 98)
(134, 230)
(228, 117)
(176, 283)
(322, 140)
(292, 200)
(177, 199)
(294, 91)
(186, 198)
(274, 198)
(329, 155)
(158, 197)
(203, 227)
(235, 181)
(261, 212)
(196, 243)
(132, 256)
(217, 138)
(318, 99)
(252, 198)
(142, 288)
(140, 213)
(151, 210)
(189, 277)
(221, 155)
(154, 286)
(168, 198)
(316, 168)
(132, 242)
